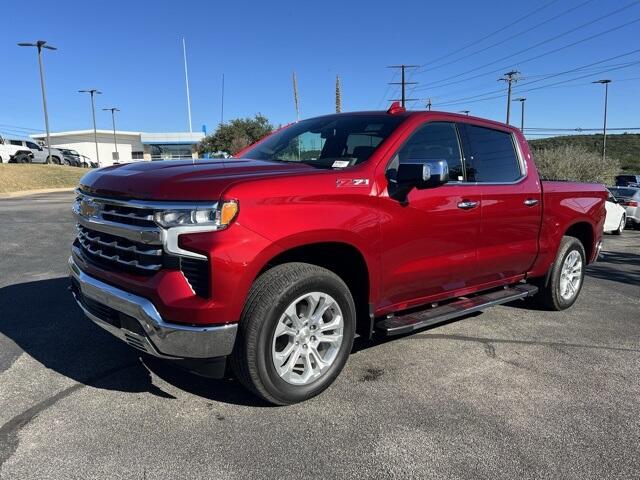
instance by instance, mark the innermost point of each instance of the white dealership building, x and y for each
(131, 146)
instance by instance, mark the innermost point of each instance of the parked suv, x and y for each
(368, 223)
(38, 153)
(13, 153)
(628, 181)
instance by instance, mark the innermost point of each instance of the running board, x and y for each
(401, 324)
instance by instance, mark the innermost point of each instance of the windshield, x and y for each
(334, 141)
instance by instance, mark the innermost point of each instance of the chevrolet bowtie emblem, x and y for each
(89, 208)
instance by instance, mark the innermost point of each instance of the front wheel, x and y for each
(295, 333)
(566, 277)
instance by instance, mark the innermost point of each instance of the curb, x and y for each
(25, 193)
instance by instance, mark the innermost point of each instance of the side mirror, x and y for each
(420, 175)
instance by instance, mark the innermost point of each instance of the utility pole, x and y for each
(604, 128)
(93, 92)
(466, 112)
(113, 111)
(509, 77)
(429, 103)
(295, 96)
(40, 44)
(338, 95)
(521, 100)
(186, 80)
(403, 82)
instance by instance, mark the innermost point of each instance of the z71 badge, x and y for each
(352, 182)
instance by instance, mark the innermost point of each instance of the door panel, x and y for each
(511, 210)
(429, 245)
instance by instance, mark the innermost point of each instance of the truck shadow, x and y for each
(43, 320)
(617, 267)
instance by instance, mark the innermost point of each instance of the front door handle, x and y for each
(530, 202)
(467, 204)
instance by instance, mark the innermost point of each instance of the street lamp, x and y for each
(521, 100)
(93, 92)
(466, 112)
(604, 128)
(40, 44)
(113, 111)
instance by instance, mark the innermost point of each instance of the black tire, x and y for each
(270, 295)
(48, 161)
(22, 158)
(549, 294)
(623, 222)
(66, 162)
(56, 160)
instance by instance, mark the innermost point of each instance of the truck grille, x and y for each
(112, 251)
(122, 236)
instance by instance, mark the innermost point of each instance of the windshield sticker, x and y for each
(340, 164)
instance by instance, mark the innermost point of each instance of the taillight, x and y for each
(630, 203)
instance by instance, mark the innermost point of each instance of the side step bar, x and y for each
(401, 324)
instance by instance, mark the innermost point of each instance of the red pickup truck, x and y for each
(367, 223)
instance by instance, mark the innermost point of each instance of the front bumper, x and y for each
(136, 321)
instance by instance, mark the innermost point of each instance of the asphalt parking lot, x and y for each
(510, 393)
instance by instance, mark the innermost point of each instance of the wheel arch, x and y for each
(583, 231)
(342, 258)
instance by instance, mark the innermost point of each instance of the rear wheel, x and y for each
(566, 277)
(295, 333)
(623, 222)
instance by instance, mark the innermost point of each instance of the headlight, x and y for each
(219, 215)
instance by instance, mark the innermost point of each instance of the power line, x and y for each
(520, 62)
(557, 74)
(476, 42)
(475, 52)
(403, 82)
(519, 91)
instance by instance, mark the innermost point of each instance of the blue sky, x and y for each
(131, 50)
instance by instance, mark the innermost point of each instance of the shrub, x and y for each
(575, 163)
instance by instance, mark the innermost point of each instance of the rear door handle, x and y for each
(531, 202)
(467, 204)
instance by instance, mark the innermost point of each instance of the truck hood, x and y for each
(183, 179)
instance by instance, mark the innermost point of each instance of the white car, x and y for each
(13, 153)
(616, 217)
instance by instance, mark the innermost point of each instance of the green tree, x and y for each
(235, 135)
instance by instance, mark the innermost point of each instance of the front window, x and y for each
(334, 141)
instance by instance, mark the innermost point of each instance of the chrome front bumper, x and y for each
(139, 324)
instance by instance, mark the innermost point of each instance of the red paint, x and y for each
(423, 252)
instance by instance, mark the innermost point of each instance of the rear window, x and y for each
(624, 192)
(491, 155)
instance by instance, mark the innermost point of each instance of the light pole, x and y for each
(604, 128)
(93, 92)
(40, 44)
(521, 100)
(466, 112)
(113, 111)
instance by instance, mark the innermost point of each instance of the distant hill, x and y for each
(625, 147)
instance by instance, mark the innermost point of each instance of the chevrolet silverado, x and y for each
(366, 223)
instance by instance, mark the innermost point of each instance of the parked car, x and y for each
(629, 198)
(38, 153)
(86, 162)
(71, 157)
(13, 153)
(616, 216)
(628, 181)
(369, 223)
